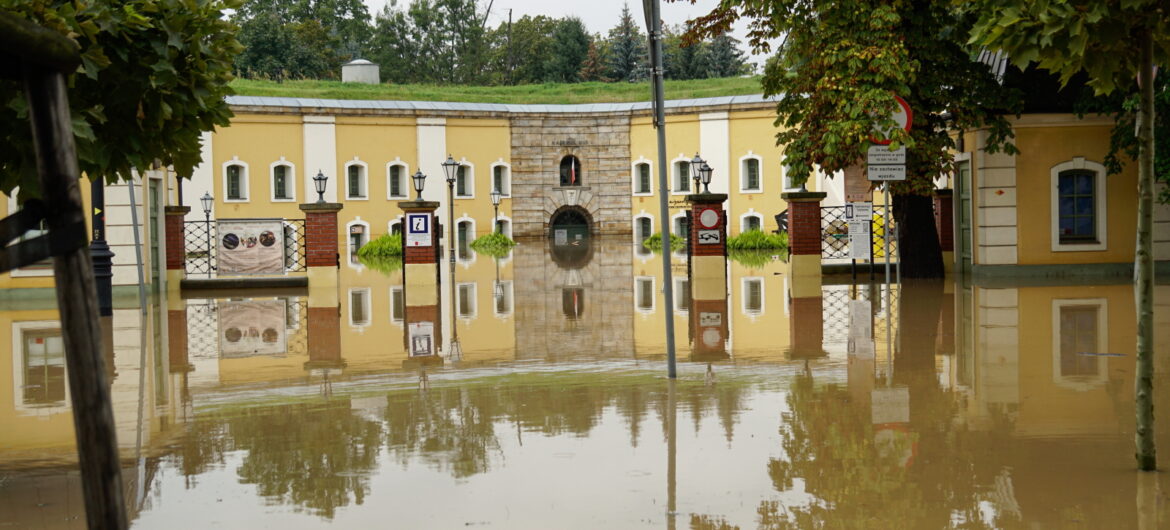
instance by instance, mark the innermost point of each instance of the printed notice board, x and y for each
(418, 230)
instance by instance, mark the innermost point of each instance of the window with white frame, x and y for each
(42, 368)
(503, 298)
(396, 226)
(680, 226)
(40, 268)
(465, 300)
(359, 307)
(355, 181)
(359, 235)
(397, 181)
(682, 295)
(464, 182)
(682, 176)
(644, 295)
(501, 180)
(504, 226)
(283, 182)
(644, 228)
(642, 185)
(1079, 332)
(751, 222)
(1078, 206)
(750, 175)
(464, 235)
(397, 304)
(235, 182)
(752, 296)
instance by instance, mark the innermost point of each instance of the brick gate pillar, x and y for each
(420, 284)
(176, 245)
(944, 222)
(708, 280)
(321, 255)
(804, 242)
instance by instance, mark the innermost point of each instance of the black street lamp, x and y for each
(705, 174)
(696, 163)
(99, 250)
(450, 169)
(206, 201)
(419, 180)
(496, 208)
(319, 182)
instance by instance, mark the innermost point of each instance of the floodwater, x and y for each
(932, 405)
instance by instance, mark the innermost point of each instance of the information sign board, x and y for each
(709, 237)
(250, 246)
(882, 155)
(418, 230)
(886, 173)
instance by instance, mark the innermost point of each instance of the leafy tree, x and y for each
(593, 68)
(570, 47)
(628, 49)
(153, 77)
(1112, 42)
(434, 41)
(301, 38)
(726, 59)
(834, 73)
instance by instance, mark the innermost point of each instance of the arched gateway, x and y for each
(570, 224)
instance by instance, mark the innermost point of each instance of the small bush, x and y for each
(494, 244)
(654, 242)
(758, 240)
(384, 247)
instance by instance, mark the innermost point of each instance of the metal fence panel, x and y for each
(200, 247)
(835, 234)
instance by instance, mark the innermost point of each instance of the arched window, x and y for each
(750, 222)
(235, 181)
(682, 176)
(1078, 206)
(750, 174)
(358, 236)
(465, 181)
(645, 228)
(501, 179)
(642, 184)
(570, 171)
(283, 178)
(397, 181)
(355, 180)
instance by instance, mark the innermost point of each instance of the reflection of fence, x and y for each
(835, 234)
(835, 311)
(199, 239)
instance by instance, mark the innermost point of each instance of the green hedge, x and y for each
(494, 244)
(758, 240)
(654, 242)
(384, 247)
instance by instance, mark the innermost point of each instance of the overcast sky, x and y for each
(598, 15)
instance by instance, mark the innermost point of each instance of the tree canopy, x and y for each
(153, 77)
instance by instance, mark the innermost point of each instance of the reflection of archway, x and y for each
(572, 255)
(574, 220)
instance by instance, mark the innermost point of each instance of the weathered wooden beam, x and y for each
(93, 418)
(25, 42)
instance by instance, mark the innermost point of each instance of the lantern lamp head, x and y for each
(319, 182)
(450, 167)
(419, 180)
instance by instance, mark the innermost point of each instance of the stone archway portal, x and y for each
(569, 224)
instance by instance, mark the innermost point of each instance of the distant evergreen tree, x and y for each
(726, 59)
(593, 69)
(570, 47)
(627, 60)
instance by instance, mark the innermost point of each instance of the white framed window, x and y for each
(357, 234)
(504, 225)
(398, 184)
(752, 296)
(397, 305)
(645, 297)
(502, 178)
(394, 226)
(465, 300)
(465, 180)
(642, 178)
(40, 378)
(464, 235)
(751, 174)
(359, 307)
(502, 301)
(283, 181)
(1080, 333)
(750, 221)
(235, 180)
(1078, 193)
(682, 295)
(681, 175)
(356, 185)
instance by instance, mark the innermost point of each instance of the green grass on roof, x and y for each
(548, 93)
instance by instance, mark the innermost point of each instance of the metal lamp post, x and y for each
(206, 201)
(99, 250)
(705, 175)
(419, 180)
(450, 169)
(496, 210)
(696, 163)
(319, 182)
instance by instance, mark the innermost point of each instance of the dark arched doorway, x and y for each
(570, 223)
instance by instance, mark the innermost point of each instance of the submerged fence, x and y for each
(200, 246)
(835, 234)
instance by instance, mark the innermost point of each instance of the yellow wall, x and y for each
(753, 132)
(259, 141)
(481, 142)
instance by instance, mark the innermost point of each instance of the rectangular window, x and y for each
(753, 295)
(466, 300)
(396, 182)
(498, 183)
(682, 295)
(1077, 204)
(44, 368)
(358, 313)
(644, 229)
(1078, 337)
(682, 170)
(235, 186)
(397, 304)
(461, 187)
(751, 181)
(645, 293)
(503, 298)
(643, 178)
(357, 188)
(280, 182)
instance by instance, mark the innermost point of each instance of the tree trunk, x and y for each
(919, 254)
(1144, 262)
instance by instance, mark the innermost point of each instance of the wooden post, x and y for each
(93, 418)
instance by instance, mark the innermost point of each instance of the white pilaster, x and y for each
(320, 133)
(715, 148)
(432, 151)
(201, 181)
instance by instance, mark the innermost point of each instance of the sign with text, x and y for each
(881, 155)
(709, 237)
(859, 239)
(250, 246)
(886, 173)
(856, 185)
(859, 211)
(418, 230)
(252, 328)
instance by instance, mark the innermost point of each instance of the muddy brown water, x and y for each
(931, 405)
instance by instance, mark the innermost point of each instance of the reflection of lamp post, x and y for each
(496, 209)
(419, 180)
(319, 182)
(206, 201)
(450, 168)
(696, 163)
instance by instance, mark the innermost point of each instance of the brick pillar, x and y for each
(177, 352)
(424, 325)
(804, 242)
(707, 242)
(321, 257)
(176, 245)
(944, 222)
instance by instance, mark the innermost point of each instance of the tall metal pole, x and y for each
(451, 242)
(654, 25)
(207, 230)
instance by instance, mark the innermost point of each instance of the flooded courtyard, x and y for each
(540, 400)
